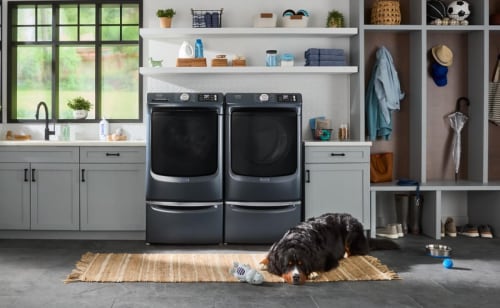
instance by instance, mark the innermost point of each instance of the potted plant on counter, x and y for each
(165, 17)
(80, 106)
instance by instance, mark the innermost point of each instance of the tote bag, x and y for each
(381, 167)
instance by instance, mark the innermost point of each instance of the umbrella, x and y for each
(457, 122)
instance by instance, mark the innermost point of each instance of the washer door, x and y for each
(264, 142)
(184, 142)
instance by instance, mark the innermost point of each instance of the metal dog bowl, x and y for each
(436, 250)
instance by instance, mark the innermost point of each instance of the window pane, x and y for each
(130, 33)
(68, 33)
(130, 14)
(110, 14)
(110, 33)
(44, 33)
(87, 14)
(34, 74)
(76, 77)
(25, 15)
(68, 15)
(120, 82)
(25, 34)
(44, 15)
(87, 33)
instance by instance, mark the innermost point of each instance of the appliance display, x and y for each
(263, 156)
(184, 181)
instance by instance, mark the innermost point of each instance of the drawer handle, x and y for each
(308, 176)
(112, 154)
(337, 154)
(26, 174)
(33, 175)
(83, 175)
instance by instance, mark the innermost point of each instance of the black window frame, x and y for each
(98, 43)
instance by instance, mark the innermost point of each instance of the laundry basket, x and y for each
(386, 12)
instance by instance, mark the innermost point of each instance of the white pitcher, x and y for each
(186, 50)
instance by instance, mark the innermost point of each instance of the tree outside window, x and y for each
(62, 50)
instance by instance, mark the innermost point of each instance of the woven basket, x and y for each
(386, 12)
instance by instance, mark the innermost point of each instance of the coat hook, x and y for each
(459, 100)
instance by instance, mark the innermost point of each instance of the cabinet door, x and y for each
(112, 197)
(14, 196)
(54, 196)
(338, 188)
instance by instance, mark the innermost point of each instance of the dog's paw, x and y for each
(346, 255)
(263, 264)
(313, 276)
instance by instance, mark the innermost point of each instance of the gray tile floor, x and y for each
(32, 274)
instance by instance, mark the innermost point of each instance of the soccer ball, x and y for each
(459, 10)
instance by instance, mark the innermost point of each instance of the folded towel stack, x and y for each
(325, 57)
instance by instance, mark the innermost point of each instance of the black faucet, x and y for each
(47, 131)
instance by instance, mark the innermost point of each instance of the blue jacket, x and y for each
(382, 96)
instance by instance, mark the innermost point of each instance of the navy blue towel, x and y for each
(325, 57)
(324, 51)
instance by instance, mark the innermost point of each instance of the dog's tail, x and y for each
(382, 244)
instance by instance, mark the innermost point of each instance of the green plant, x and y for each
(335, 19)
(79, 103)
(165, 13)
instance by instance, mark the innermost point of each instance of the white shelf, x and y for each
(169, 33)
(165, 71)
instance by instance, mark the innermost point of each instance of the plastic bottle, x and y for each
(198, 49)
(103, 129)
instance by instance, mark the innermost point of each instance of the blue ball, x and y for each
(448, 263)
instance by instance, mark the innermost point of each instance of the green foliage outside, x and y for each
(119, 83)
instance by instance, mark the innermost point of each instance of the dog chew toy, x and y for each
(448, 263)
(244, 273)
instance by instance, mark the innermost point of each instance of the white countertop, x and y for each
(60, 143)
(316, 143)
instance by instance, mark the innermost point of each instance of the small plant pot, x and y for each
(80, 114)
(336, 22)
(165, 22)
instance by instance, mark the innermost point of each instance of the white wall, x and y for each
(323, 95)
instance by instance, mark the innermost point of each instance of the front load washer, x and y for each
(184, 181)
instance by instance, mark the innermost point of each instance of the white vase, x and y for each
(80, 114)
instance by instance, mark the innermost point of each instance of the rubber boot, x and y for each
(415, 209)
(402, 204)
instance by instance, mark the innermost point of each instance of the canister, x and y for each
(287, 59)
(271, 57)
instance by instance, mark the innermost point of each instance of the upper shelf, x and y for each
(168, 33)
(165, 71)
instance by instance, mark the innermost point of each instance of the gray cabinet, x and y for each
(112, 188)
(15, 196)
(337, 179)
(39, 188)
(54, 196)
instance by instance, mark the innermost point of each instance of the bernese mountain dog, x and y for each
(317, 245)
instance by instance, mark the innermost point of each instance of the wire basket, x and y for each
(207, 18)
(386, 12)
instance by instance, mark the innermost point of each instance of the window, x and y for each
(62, 50)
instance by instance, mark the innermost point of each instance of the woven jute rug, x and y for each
(205, 267)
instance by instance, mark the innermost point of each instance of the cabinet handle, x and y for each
(112, 154)
(337, 154)
(26, 175)
(308, 176)
(33, 175)
(83, 175)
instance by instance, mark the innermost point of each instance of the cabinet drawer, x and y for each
(16, 154)
(337, 154)
(112, 154)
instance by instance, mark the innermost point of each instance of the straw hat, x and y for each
(442, 54)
